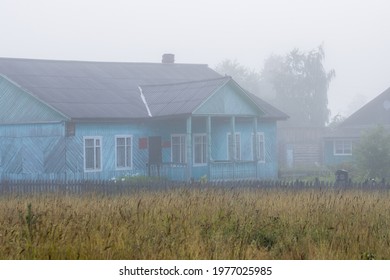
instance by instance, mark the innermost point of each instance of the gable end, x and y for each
(19, 106)
(229, 100)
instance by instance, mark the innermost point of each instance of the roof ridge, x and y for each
(363, 108)
(187, 82)
(96, 61)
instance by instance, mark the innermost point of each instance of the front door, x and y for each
(155, 155)
(290, 156)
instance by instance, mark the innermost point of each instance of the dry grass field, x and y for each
(199, 223)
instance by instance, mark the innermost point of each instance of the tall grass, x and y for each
(198, 223)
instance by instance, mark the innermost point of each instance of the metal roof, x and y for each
(113, 90)
(83, 90)
(180, 98)
(185, 97)
(270, 112)
(375, 112)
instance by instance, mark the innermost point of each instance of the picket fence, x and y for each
(17, 187)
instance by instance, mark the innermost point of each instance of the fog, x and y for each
(355, 35)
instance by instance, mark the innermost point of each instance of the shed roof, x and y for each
(113, 90)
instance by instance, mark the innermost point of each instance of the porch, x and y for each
(203, 147)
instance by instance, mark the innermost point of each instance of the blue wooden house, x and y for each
(102, 120)
(339, 142)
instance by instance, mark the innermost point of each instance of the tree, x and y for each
(300, 85)
(372, 154)
(336, 121)
(245, 77)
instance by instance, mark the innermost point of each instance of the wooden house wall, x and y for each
(330, 159)
(18, 106)
(227, 101)
(43, 151)
(31, 135)
(300, 147)
(32, 150)
(107, 132)
(34, 145)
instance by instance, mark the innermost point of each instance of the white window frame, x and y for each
(236, 149)
(203, 144)
(97, 146)
(260, 149)
(126, 137)
(343, 143)
(182, 148)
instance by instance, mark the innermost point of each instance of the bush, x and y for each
(373, 154)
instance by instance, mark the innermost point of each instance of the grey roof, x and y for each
(112, 90)
(82, 89)
(375, 112)
(185, 97)
(180, 98)
(270, 112)
(345, 132)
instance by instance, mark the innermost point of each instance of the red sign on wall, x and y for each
(143, 143)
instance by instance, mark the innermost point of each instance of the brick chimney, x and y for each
(168, 58)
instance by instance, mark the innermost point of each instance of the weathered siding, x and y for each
(107, 132)
(43, 150)
(300, 147)
(330, 158)
(18, 106)
(31, 150)
(227, 101)
(307, 154)
(220, 127)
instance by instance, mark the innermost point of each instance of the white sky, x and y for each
(355, 34)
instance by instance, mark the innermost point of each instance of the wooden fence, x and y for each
(19, 187)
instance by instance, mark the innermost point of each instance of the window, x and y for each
(200, 149)
(178, 148)
(342, 147)
(234, 148)
(123, 152)
(258, 146)
(92, 153)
